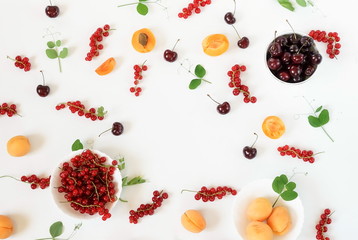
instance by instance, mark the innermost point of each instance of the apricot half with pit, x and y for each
(259, 209)
(215, 44)
(143, 40)
(6, 227)
(106, 67)
(280, 220)
(273, 127)
(193, 221)
(18, 146)
(258, 231)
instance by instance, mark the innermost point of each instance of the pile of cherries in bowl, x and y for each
(293, 58)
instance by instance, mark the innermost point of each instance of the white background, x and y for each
(173, 136)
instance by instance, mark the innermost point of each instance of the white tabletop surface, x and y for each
(173, 136)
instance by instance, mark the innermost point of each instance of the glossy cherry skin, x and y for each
(275, 49)
(52, 11)
(243, 42)
(117, 128)
(229, 18)
(223, 108)
(170, 55)
(274, 63)
(43, 90)
(249, 152)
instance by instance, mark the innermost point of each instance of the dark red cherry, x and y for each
(295, 70)
(52, 11)
(297, 58)
(222, 108)
(315, 58)
(229, 18)
(284, 76)
(286, 57)
(117, 128)
(309, 70)
(275, 49)
(170, 55)
(243, 42)
(43, 90)
(274, 63)
(250, 152)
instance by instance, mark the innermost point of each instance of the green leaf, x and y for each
(290, 186)
(200, 71)
(64, 53)
(302, 3)
(278, 185)
(56, 229)
(318, 109)
(51, 44)
(51, 53)
(77, 145)
(284, 179)
(101, 112)
(124, 181)
(314, 122)
(194, 83)
(324, 117)
(134, 181)
(58, 43)
(289, 195)
(286, 4)
(142, 9)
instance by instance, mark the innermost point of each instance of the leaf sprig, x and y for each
(142, 7)
(199, 74)
(77, 145)
(285, 188)
(56, 230)
(288, 4)
(53, 51)
(133, 181)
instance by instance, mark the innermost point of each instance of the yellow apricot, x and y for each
(215, 44)
(193, 221)
(106, 67)
(258, 231)
(6, 227)
(143, 40)
(18, 146)
(273, 127)
(259, 209)
(280, 220)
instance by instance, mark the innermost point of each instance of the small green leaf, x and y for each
(51, 44)
(289, 195)
(194, 83)
(101, 112)
(324, 117)
(278, 185)
(63, 53)
(318, 109)
(290, 186)
(51, 53)
(199, 71)
(77, 145)
(286, 4)
(56, 229)
(58, 43)
(124, 181)
(302, 3)
(284, 179)
(314, 122)
(142, 9)
(133, 181)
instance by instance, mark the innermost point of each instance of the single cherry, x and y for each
(117, 129)
(274, 63)
(43, 90)
(243, 41)
(170, 55)
(250, 152)
(52, 11)
(230, 16)
(222, 108)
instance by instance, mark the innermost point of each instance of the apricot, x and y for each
(18, 146)
(143, 40)
(259, 209)
(215, 44)
(258, 231)
(6, 227)
(280, 220)
(193, 221)
(273, 127)
(106, 67)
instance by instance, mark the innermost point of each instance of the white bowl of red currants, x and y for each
(87, 184)
(292, 58)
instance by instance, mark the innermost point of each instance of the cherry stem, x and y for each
(43, 77)
(144, 63)
(275, 34)
(175, 44)
(234, 7)
(236, 31)
(257, 136)
(301, 47)
(50, 2)
(8, 176)
(104, 132)
(212, 99)
(291, 28)
(187, 190)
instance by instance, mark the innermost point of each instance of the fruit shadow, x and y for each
(36, 141)
(20, 222)
(213, 220)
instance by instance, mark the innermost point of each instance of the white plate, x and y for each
(263, 188)
(59, 197)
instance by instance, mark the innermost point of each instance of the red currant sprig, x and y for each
(149, 208)
(209, 194)
(22, 63)
(87, 183)
(235, 82)
(305, 155)
(331, 38)
(138, 76)
(33, 180)
(79, 108)
(193, 7)
(9, 110)
(95, 40)
(321, 226)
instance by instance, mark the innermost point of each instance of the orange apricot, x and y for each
(6, 227)
(258, 231)
(18, 146)
(280, 220)
(273, 127)
(193, 221)
(259, 209)
(106, 67)
(143, 40)
(215, 44)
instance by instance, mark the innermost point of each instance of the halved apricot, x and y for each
(106, 67)
(273, 127)
(143, 40)
(215, 44)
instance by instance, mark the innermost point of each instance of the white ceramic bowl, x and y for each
(59, 197)
(263, 188)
